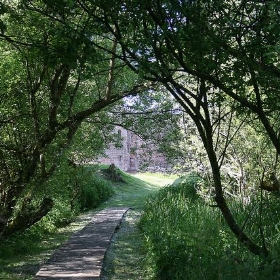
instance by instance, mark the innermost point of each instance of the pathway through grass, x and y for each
(124, 258)
(24, 262)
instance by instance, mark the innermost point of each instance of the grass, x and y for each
(136, 188)
(125, 259)
(184, 238)
(21, 257)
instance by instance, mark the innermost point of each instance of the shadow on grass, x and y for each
(125, 259)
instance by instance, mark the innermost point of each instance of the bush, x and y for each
(73, 190)
(94, 193)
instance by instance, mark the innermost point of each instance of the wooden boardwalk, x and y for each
(82, 256)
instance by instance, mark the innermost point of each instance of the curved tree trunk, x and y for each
(222, 204)
(200, 114)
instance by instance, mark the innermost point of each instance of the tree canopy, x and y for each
(65, 62)
(207, 54)
(55, 74)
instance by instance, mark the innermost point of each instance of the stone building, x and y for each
(133, 154)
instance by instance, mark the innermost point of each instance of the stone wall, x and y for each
(133, 154)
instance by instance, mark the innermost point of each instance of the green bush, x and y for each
(73, 190)
(94, 193)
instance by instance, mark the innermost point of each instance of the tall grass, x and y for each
(187, 239)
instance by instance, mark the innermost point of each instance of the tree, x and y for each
(228, 46)
(55, 73)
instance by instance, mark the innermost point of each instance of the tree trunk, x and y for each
(3, 223)
(29, 217)
(222, 204)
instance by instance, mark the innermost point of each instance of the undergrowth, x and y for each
(185, 238)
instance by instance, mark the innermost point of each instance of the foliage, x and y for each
(64, 63)
(89, 141)
(245, 155)
(94, 192)
(188, 239)
(75, 190)
(57, 70)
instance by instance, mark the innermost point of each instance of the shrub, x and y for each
(95, 192)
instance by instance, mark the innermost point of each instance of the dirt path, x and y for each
(82, 256)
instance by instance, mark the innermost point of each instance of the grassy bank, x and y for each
(186, 239)
(136, 188)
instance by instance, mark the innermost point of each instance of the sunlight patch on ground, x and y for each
(160, 180)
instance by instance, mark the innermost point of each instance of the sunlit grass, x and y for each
(135, 189)
(157, 179)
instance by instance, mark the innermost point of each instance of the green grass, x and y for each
(135, 189)
(125, 257)
(187, 239)
(156, 179)
(22, 254)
